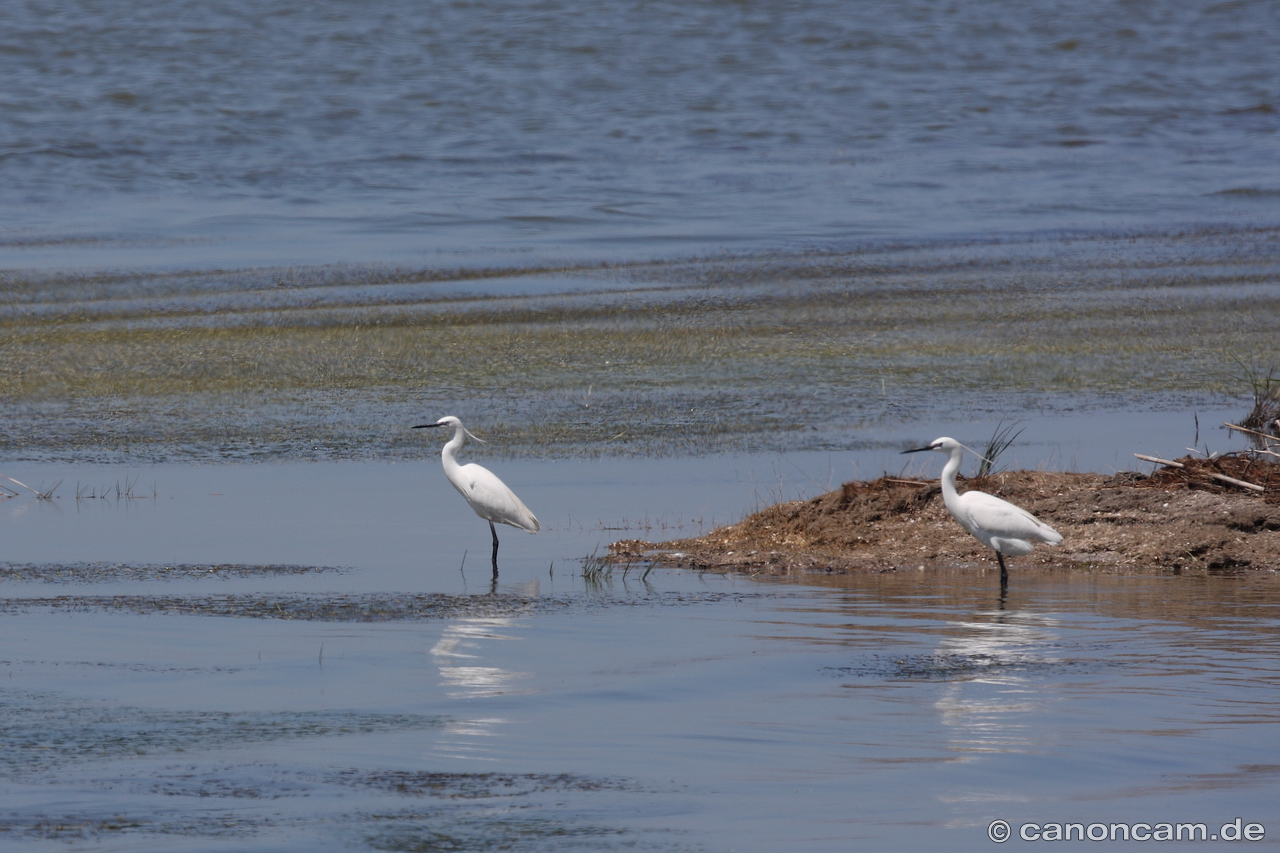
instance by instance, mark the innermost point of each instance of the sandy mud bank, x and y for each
(1176, 520)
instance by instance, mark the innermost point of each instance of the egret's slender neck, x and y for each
(949, 471)
(449, 455)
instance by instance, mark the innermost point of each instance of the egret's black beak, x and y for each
(918, 449)
(428, 426)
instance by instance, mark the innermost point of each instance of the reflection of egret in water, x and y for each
(458, 654)
(988, 694)
(459, 645)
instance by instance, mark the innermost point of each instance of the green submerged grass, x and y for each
(648, 359)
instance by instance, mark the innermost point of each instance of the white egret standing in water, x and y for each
(483, 491)
(996, 523)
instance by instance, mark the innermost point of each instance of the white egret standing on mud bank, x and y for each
(483, 491)
(996, 523)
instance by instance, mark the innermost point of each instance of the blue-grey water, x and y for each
(189, 134)
(161, 690)
(145, 708)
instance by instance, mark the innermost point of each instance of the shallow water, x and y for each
(903, 712)
(398, 699)
(407, 530)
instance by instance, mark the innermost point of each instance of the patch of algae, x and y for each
(647, 359)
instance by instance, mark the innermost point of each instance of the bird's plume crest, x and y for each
(968, 448)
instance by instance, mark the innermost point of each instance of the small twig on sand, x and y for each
(1159, 461)
(1262, 435)
(1241, 483)
(1223, 477)
(1268, 441)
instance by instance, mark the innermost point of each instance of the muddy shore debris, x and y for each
(1176, 520)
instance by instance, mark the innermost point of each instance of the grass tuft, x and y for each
(1000, 441)
(1264, 417)
(596, 568)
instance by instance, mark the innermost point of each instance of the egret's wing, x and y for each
(492, 500)
(1000, 518)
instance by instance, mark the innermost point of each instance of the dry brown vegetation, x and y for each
(1175, 520)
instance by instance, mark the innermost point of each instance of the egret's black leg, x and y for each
(1004, 573)
(494, 531)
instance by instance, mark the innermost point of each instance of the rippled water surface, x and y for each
(315, 657)
(201, 134)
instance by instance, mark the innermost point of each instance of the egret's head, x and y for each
(944, 444)
(446, 421)
(449, 421)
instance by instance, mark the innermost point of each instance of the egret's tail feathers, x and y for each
(526, 522)
(1046, 534)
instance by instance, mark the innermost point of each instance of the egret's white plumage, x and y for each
(996, 523)
(483, 491)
